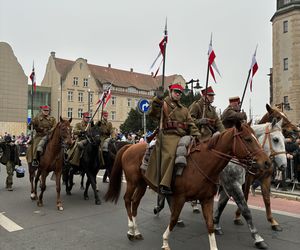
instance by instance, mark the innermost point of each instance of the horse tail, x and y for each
(115, 178)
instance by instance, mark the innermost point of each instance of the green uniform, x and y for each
(42, 125)
(230, 116)
(177, 122)
(74, 153)
(214, 122)
(106, 130)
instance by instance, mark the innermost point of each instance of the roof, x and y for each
(118, 77)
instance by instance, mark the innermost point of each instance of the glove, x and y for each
(82, 133)
(202, 121)
(160, 94)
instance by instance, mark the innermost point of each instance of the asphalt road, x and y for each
(84, 225)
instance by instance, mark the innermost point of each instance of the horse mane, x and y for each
(52, 132)
(213, 141)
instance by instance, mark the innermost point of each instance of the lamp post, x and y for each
(58, 106)
(285, 105)
(192, 81)
(89, 100)
(61, 82)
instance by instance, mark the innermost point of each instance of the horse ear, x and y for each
(250, 123)
(70, 120)
(238, 125)
(274, 121)
(60, 119)
(269, 108)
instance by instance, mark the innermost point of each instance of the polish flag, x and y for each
(211, 61)
(254, 68)
(108, 96)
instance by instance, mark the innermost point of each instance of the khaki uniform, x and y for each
(214, 125)
(230, 116)
(106, 130)
(42, 125)
(74, 152)
(177, 122)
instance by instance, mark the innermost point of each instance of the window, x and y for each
(85, 82)
(136, 102)
(75, 81)
(80, 97)
(70, 96)
(90, 97)
(286, 1)
(80, 111)
(129, 102)
(285, 26)
(285, 64)
(286, 99)
(113, 115)
(113, 100)
(70, 112)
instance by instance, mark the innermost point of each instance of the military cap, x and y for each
(176, 86)
(45, 107)
(209, 91)
(234, 99)
(86, 115)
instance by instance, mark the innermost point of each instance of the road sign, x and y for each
(143, 105)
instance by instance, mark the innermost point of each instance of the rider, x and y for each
(209, 122)
(43, 124)
(233, 113)
(177, 122)
(74, 152)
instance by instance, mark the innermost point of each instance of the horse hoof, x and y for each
(261, 245)
(98, 202)
(238, 222)
(138, 237)
(40, 204)
(196, 210)
(219, 231)
(166, 248)
(180, 223)
(86, 197)
(82, 187)
(130, 237)
(33, 197)
(276, 228)
(60, 208)
(68, 192)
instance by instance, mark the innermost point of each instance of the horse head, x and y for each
(93, 134)
(273, 142)
(65, 131)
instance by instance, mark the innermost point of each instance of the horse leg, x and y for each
(36, 180)
(81, 182)
(32, 171)
(138, 194)
(265, 190)
(43, 188)
(86, 191)
(58, 188)
(223, 199)
(239, 198)
(207, 209)
(67, 180)
(93, 182)
(128, 204)
(160, 204)
(177, 205)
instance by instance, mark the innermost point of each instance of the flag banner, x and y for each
(253, 68)
(33, 79)
(106, 95)
(211, 61)
(107, 98)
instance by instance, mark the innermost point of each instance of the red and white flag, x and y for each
(253, 68)
(108, 96)
(161, 53)
(211, 61)
(33, 79)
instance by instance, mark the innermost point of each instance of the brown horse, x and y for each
(52, 159)
(198, 181)
(265, 177)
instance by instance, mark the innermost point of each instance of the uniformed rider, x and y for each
(209, 122)
(177, 122)
(43, 124)
(233, 113)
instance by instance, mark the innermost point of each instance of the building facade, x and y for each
(76, 87)
(285, 74)
(13, 93)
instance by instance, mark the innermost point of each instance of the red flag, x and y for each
(108, 96)
(211, 60)
(254, 68)
(33, 80)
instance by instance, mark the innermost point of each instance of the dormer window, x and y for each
(75, 81)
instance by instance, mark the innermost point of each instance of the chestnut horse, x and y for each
(265, 178)
(52, 159)
(199, 180)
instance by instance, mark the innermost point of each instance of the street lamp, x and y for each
(285, 105)
(187, 90)
(89, 100)
(58, 106)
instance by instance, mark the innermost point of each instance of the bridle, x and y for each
(92, 139)
(268, 138)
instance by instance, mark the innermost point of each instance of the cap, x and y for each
(209, 91)
(176, 86)
(45, 107)
(86, 115)
(104, 112)
(234, 99)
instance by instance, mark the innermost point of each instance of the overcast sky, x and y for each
(126, 34)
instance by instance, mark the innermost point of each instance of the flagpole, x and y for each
(246, 85)
(31, 121)
(160, 137)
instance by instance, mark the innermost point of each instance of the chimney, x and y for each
(85, 60)
(52, 53)
(152, 74)
(109, 65)
(131, 69)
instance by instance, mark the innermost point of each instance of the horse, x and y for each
(89, 164)
(52, 160)
(233, 176)
(197, 182)
(287, 129)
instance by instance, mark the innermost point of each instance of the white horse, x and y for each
(233, 176)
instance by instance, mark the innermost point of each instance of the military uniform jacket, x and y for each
(43, 124)
(106, 128)
(10, 153)
(79, 127)
(230, 117)
(215, 124)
